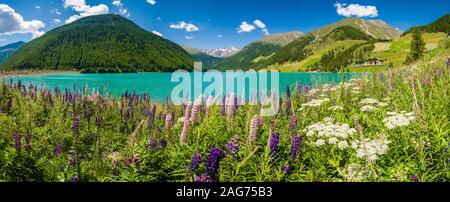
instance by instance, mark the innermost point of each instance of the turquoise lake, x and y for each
(159, 85)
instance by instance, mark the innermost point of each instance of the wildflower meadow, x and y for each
(391, 126)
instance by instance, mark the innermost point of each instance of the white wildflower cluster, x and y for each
(370, 104)
(371, 149)
(354, 173)
(336, 108)
(327, 132)
(401, 119)
(315, 103)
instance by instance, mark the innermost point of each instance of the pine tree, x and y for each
(417, 47)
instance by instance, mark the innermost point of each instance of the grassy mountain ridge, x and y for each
(375, 28)
(440, 25)
(7, 50)
(103, 43)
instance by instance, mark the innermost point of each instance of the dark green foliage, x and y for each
(8, 50)
(417, 47)
(335, 60)
(105, 43)
(348, 33)
(244, 59)
(440, 25)
(208, 61)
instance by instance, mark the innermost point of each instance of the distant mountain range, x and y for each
(256, 51)
(7, 50)
(102, 43)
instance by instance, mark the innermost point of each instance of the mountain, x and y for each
(102, 43)
(208, 61)
(311, 43)
(440, 25)
(221, 52)
(8, 50)
(378, 29)
(249, 56)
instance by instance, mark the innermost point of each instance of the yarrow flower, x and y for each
(367, 108)
(371, 149)
(326, 131)
(315, 103)
(401, 119)
(233, 145)
(336, 108)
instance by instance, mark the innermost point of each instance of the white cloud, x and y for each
(262, 26)
(245, 27)
(38, 7)
(122, 10)
(84, 10)
(152, 2)
(219, 36)
(13, 23)
(55, 11)
(56, 21)
(349, 10)
(186, 26)
(2, 40)
(189, 37)
(157, 33)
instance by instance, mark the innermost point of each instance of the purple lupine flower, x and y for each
(286, 168)
(153, 143)
(413, 178)
(233, 145)
(288, 107)
(204, 178)
(255, 123)
(76, 124)
(169, 121)
(73, 162)
(195, 162)
(17, 142)
(98, 121)
(58, 150)
(223, 105)
(273, 145)
(299, 87)
(448, 62)
(28, 142)
(9, 105)
(296, 147)
(293, 124)
(75, 179)
(163, 143)
(213, 162)
(196, 108)
(288, 92)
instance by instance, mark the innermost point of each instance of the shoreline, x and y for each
(17, 73)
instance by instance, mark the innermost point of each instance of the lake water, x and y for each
(159, 85)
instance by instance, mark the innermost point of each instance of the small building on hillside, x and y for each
(371, 62)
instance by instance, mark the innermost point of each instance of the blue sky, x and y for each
(213, 23)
